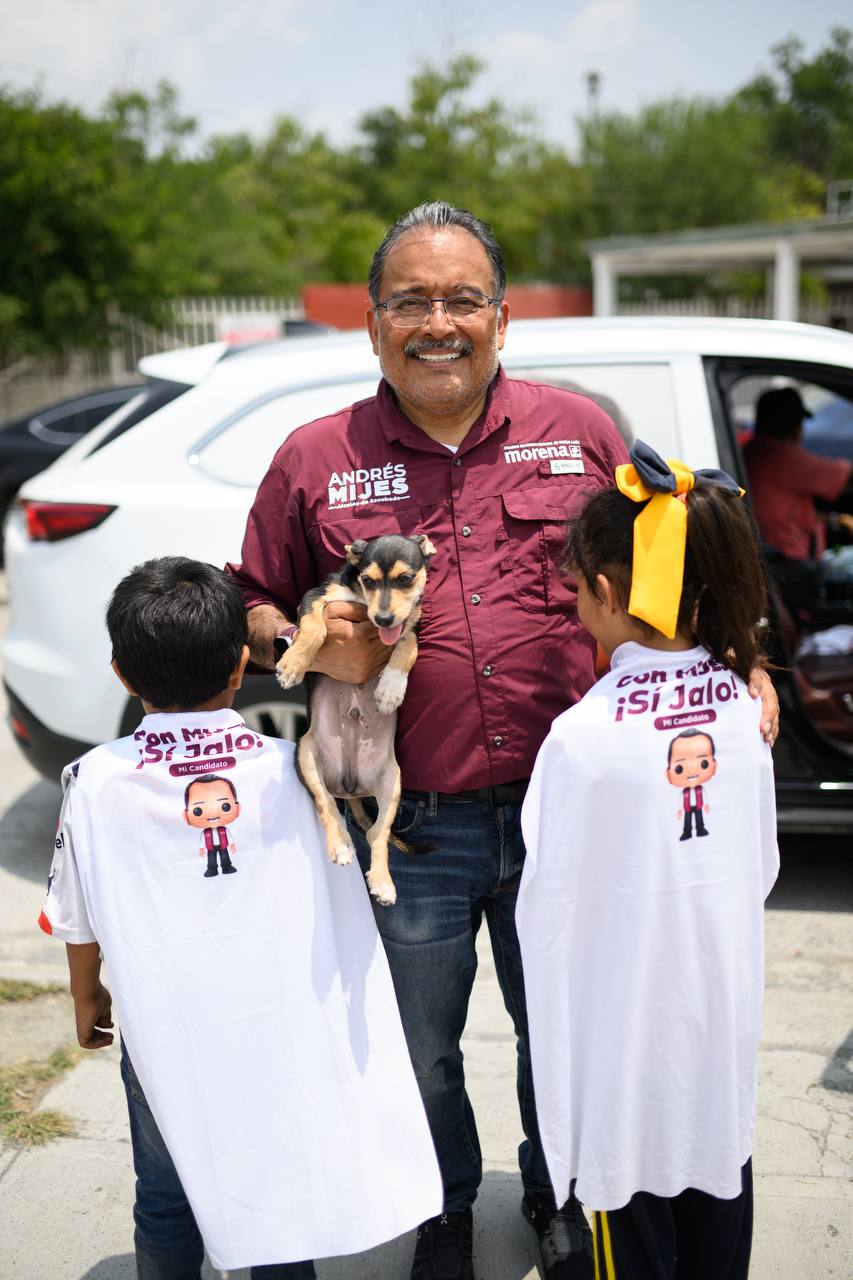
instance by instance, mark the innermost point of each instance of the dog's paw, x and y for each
(289, 672)
(382, 889)
(342, 854)
(390, 690)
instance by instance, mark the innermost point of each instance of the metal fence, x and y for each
(28, 382)
(197, 320)
(836, 313)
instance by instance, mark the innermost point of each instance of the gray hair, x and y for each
(434, 215)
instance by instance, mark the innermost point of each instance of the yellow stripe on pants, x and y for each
(608, 1248)
(600, 1223)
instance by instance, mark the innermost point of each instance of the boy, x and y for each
(260, 1033)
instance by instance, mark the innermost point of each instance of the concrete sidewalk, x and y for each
(65, 1210)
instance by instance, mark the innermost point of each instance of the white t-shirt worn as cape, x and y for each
(256, 1006)
(642, 945)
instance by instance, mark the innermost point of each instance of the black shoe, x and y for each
(214, 872)
(565, 1240)
(229, 870)
(444, 1248)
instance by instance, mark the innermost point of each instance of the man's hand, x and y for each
(761, 686)
(352, 652)
(93, 1012)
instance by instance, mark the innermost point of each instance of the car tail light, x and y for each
(51, 521)
(19, 729)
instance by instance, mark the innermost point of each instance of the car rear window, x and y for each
(152, 396)
(239, 450)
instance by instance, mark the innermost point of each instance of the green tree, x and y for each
(63, 256)
(808, 106)
(299, 193)
(488, 158)
(686, 163)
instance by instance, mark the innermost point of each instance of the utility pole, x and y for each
(593, 85)
(593, 88)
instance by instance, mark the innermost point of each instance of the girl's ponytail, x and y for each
(723, 599)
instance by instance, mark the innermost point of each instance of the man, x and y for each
(784, 480)
(489, 469)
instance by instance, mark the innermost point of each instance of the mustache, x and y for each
(426, 345)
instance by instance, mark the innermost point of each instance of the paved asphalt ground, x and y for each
(65, 1210)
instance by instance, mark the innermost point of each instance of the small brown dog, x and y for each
(348, 751)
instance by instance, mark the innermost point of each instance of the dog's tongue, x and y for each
(390, 635)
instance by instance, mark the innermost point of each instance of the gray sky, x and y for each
(240, 63)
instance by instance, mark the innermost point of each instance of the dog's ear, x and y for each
(427, 549)
(355, 550)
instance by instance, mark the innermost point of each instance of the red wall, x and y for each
(537, 301)
(344, 305)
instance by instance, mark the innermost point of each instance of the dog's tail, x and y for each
(405, 846)
(410, 846)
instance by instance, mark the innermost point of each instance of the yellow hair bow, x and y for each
(660, 530)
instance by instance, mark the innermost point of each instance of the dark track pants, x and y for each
(692, 1236)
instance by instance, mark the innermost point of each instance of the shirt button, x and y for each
(475, 599)
(457, 462)
(466, 531)
(487, 671)
(498, 740)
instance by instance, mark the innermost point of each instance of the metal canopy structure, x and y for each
(780, 248)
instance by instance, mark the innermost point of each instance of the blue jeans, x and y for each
(473, 870)
(167, 1240)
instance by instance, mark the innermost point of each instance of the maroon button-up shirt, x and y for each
(501, 651)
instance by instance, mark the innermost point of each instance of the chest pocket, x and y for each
(333, 536)
(535, 522)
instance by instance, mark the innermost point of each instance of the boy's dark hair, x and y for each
(208, 778)
(723, 597)
(177, 628)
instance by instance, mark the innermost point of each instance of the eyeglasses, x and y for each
(410, 311)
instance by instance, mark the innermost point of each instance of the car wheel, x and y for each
(270, 711)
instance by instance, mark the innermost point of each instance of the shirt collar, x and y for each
(631, 653)
(397, 426)
(213, 721)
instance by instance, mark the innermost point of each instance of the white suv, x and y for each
(182, 482)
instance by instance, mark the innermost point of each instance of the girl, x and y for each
(651, 846)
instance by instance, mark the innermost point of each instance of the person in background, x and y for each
(784, 481)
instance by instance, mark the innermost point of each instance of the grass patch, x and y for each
(22, 1084)
(12, 990)
(38, 1128)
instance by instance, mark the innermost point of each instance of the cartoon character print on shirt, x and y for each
(691, 764)
(210, 805)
